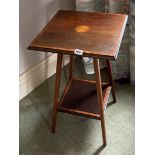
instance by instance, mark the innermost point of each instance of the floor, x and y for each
(75, 135)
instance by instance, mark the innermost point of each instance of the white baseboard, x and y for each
(36, 75)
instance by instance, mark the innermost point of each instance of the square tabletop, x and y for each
(96, 34)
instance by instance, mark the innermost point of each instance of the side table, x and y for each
(96, 35)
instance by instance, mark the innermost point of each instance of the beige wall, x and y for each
(34, 15)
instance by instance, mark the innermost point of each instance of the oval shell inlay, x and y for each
(81, 28)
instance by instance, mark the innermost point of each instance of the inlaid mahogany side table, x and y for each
(96, 35)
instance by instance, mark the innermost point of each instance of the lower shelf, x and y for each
(80, 98)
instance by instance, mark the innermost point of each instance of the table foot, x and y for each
(56, 90)
(100, 97)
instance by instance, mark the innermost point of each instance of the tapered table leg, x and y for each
(71, 67)
(56, 90)
(111, 80)
(100, 97)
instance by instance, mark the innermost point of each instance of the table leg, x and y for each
(56, 90)
(71, 67)
(111, 80)
(100, 97)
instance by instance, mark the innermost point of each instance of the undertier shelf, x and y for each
(80, 98)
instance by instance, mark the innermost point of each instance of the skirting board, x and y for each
(36, 75)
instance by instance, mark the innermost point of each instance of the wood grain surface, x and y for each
(97, 34)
